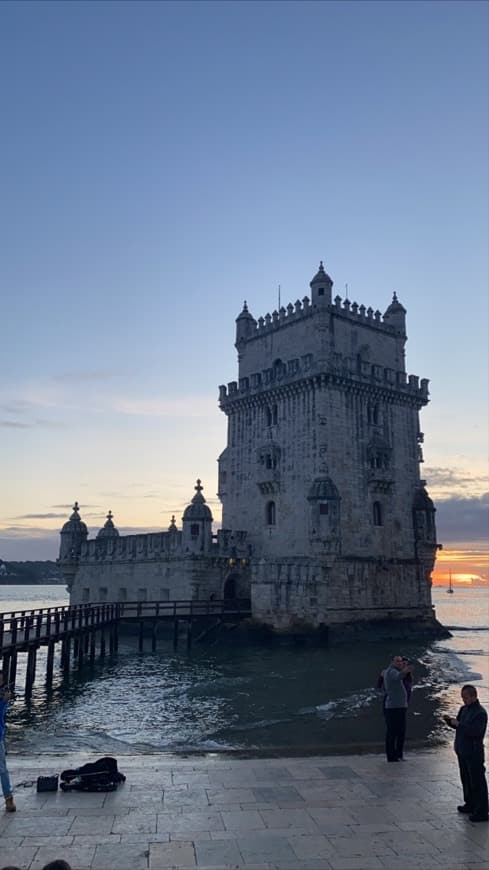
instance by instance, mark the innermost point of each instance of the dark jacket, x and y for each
(469, 735)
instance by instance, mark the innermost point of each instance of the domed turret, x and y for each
(321, 287)
(395, 315)
(73, 534)
(322, 488)
(197, 524)
(245, 325)
(108, 530)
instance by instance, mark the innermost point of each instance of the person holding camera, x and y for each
(395, 706)
(470, 727)
(5, 697)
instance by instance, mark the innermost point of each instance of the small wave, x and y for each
(261, 723)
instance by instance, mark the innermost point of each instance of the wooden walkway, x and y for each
(82, 628)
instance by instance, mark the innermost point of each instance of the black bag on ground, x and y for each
(47, 783)
(101, 775)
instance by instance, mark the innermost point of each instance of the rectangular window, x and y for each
(164, 594)
(142, 594)
(323, 508)
(86, 594)
(122, 593)
(103, 593)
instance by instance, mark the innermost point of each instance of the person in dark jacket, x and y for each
(470, 727)
(395, 707)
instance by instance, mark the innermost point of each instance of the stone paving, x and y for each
(191, 813)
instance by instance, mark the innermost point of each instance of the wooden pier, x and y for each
(85, 628)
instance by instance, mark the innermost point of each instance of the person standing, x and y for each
(5, 697)
(470, 727)
(395, 707)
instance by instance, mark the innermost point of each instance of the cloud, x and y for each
(101, 375)
(40, 517)
(463, 519)
(450, 482)
(14, 424)
(185, 406)
(69, 507)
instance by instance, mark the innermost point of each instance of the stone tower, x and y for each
(321, 466)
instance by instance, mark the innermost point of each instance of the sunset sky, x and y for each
(162, 162)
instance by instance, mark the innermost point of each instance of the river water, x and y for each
(277, 698)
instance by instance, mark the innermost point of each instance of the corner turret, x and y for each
(321, 287)
(197, 524)
(73, 534)
(245, 326)
(395, 315)
(108, 530)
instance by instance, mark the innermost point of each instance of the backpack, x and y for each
(101, 775)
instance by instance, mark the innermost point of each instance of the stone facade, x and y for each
(326, 520)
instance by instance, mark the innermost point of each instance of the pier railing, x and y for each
(183, 609)
(20, 629)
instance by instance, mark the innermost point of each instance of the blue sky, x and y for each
(160, 163)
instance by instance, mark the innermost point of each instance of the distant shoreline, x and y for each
(50, 582)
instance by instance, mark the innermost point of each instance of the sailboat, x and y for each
(450, 587)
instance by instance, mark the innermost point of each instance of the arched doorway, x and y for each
(230, 587)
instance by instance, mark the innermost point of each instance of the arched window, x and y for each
(275, 415)
(268, 416)
(377, 514)
(270, 513)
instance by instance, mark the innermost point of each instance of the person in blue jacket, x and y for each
(470, 727)
(5, 697)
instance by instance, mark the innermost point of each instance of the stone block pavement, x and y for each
(198, 812)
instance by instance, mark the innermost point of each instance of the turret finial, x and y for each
(110, 516)
(199, 486)
(76, 507)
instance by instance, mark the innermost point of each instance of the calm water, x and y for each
(279, 697)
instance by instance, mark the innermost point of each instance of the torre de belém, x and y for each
(326, 522)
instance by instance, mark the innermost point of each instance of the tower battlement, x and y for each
(341, 368)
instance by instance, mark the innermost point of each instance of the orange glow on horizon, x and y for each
(464, 561)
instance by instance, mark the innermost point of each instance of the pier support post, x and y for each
(102, 643)
(50, 663)
(116, 636)
(65, 653)
(13, 669)
(175, 634)
(189, 633)
(31, 671)
(6, 667)
(141, 636)
(92, 645)
(154, 635)
(111, 640)
(81, 646)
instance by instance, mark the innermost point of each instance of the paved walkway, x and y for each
(316, 813)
